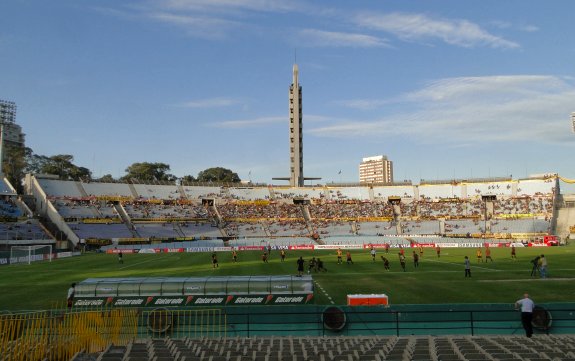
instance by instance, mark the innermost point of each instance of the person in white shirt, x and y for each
(527, 305)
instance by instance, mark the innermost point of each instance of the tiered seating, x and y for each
(420, 227)
(490, 188)
(107, 189)
(534, 187)
(249, 194)
(78, 209)
(29, 230)
(439, 191)
(105, 231)
(346, 348)
(59, 188)
(143, 210)
(349, 193)
(256, 229)
(5, 188)
(196, 229)
(523, 206)
(9, 209)
(158, 230)
(520, 226)
(156, 191)
(332, 228)
(203, 192)
(290, 193)
(463, 226)
(393, 191)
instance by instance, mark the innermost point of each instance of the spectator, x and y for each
(527, 305)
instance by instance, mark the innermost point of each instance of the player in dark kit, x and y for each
(300, 264)
(385, 263)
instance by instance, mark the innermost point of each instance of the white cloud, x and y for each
(475, 109)
(529, 28)
(247, 123)
(210, 103)
(420, 27)
(314, 37)
(228, 5)
(362, 104)
(202, 26)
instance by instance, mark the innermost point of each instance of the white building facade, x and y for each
(377, 169)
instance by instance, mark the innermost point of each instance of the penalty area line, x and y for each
(473, 265)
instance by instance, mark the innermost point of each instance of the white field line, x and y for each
(146, 261)
(324, 292)
(473, 265)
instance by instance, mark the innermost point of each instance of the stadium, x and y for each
(216, 271)
(166, 233)
(242, 271)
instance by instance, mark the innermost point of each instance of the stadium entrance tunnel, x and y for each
(541, 318)
(160, 321)
(334, 318)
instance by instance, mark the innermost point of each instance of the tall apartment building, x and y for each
(377, 169)
(573, 121)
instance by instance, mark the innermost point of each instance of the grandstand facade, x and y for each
(140, 215)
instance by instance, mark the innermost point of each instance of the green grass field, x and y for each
(44, 284)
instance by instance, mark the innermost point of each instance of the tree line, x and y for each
(19, 161)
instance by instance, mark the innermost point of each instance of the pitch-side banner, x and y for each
(194, 300)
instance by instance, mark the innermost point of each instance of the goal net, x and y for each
(28, 254)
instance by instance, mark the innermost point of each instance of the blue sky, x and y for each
(443, 88)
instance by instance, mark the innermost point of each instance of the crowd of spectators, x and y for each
(267, 211)
(143, 210)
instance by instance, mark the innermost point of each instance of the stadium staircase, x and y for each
(371, 194)
(81, 189)
(344, 348)
(182, 192)
(309, 223)
(217, 219)
(133, 190)
(225, 191)
(126, 219)
(178, 229)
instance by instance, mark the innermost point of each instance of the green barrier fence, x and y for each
(316, 320)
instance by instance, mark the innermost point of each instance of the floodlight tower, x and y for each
(10, 133)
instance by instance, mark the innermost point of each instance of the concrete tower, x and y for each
(296, 178)
(296, 132)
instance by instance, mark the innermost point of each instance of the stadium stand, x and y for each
(346, 348)
(323, 213)
(107, 189)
